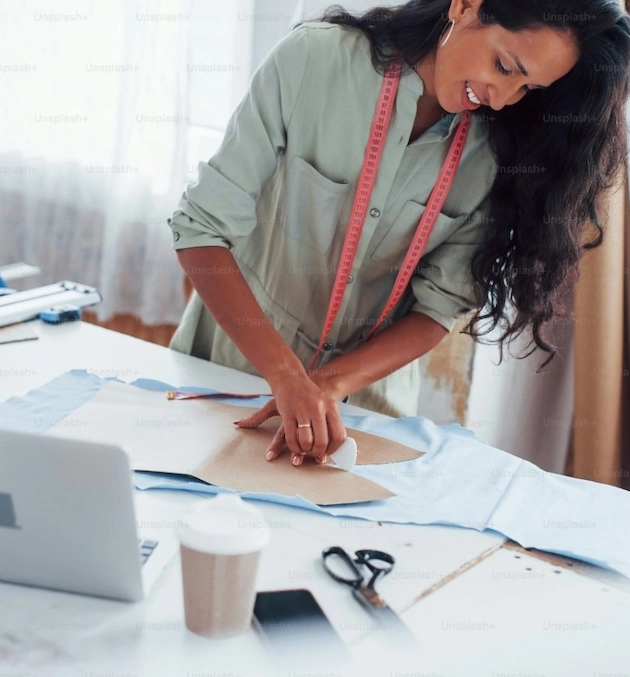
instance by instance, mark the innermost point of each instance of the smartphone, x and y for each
(292, 622)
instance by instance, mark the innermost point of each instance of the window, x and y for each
(219, 70)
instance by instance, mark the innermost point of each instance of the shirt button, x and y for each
(375, 212)
(350, 279)
(328, 347)
(175, 236)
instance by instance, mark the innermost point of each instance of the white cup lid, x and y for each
(224, 525)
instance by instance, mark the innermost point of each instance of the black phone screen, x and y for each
(293, 620)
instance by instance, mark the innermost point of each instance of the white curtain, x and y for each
(92, 146)
(514, 407)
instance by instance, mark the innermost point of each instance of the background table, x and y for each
(478, 605)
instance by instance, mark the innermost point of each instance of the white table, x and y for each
(478, 605)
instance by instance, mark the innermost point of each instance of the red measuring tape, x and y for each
(367, 179)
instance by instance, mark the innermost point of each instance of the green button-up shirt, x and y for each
(279, 192)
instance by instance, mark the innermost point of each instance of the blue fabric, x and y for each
(459, 481)
(42, 408)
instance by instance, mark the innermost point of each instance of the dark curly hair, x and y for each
(575, 129)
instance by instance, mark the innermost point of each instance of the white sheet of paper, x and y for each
(15, 333)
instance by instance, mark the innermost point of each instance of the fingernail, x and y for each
(321, 459)
(296, 460)
(236, 422)
(269, 455)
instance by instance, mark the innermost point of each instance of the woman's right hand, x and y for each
(297, 398)
(311, 422)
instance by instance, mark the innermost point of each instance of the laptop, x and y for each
(67, 519)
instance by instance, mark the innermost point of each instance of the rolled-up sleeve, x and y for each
(443, 286)
(221, 206)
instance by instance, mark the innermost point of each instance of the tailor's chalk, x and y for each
(346, 456)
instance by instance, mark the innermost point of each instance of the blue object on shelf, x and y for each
(59, 314)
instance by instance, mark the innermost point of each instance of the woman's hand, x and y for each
(311, 423)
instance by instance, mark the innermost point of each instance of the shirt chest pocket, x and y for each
(312, 205)
(393, 242)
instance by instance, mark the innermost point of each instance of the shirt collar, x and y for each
(413, 83)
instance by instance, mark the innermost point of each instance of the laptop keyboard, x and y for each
(146, 549)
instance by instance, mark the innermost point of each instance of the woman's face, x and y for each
(491, 66)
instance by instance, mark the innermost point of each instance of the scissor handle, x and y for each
(369, 557)
(355, 581)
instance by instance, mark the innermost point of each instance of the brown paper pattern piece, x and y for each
(199, 438)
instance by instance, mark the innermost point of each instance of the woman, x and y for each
(261, 233)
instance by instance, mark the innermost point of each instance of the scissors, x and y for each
(379, 564)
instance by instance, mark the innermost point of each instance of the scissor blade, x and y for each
(384, 615)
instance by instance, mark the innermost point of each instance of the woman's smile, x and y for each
(469, 99)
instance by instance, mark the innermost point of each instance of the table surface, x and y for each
(477, 604)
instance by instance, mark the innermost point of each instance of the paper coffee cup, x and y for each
(220, 548)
